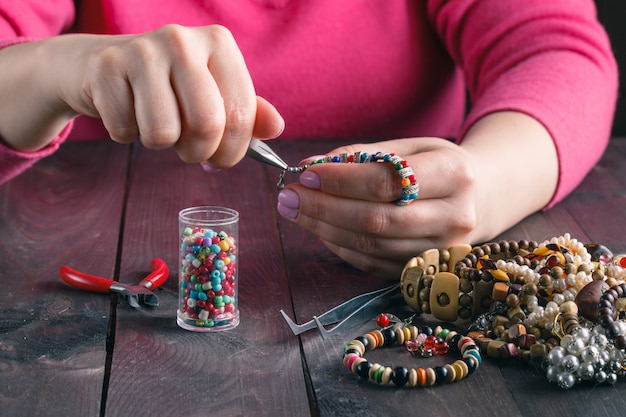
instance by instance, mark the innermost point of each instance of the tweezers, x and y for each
(259, 151)
(365, 305)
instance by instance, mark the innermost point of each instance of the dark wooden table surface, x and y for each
(109, 209)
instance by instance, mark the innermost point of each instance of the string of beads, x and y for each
(434, 341)
(410, 187)
(559, 302)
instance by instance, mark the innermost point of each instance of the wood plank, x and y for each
(64, 211)
(320, 281)
(160, 369)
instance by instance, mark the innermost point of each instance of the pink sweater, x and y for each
(363, 69)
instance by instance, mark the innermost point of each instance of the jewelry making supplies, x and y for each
(559, 303)
(208, 284)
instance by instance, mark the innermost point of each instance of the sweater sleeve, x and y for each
(24, 21)
(550, 59)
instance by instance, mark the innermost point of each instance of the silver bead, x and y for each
(590, 354)
(585, 371)
(566, 380)
(570, 364)
(556, 355)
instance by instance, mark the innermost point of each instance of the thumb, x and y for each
(269, 123)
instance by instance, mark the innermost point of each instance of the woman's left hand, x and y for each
(351, 206)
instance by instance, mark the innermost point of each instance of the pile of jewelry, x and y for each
(559, 303)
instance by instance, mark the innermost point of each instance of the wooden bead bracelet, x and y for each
(354, 360)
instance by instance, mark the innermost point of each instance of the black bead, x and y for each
(363, 369)
(454, 343)
(442, 374)
(362, 340)
(428, 331)
(471, 362)
(400, 376)
(355, 351)
(389, 336)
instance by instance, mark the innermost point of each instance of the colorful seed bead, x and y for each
(208, 284)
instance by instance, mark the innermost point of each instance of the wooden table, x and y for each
(109, 209)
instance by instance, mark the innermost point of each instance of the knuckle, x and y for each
(220, 35)
(375, 219)
(159, 138)
(123, 134)
(240, 120)
(365, 243)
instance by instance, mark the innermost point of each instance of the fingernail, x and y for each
(310, 180)
(208, 168)
(311, 158)
(288, 203)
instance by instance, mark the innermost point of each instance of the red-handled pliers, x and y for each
(135, 295)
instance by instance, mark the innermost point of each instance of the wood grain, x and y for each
(66, 210)
(70, 208)
(254, 369)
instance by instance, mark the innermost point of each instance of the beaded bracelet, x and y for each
(560, 303)
(410, 187)
(408, 335)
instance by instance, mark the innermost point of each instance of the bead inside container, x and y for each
(207, 275)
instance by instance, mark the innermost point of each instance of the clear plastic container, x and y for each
(208, 266)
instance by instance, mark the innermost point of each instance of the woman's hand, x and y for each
(182, 87)
(468, 193)
(351, 206)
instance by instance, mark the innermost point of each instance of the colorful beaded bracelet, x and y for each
(354, 351)
(410, 187)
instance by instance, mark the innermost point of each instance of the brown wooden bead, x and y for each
(500, 291)
(538, 351)
(493, 348)
(515, 331)
(588, 299)
(444, 300)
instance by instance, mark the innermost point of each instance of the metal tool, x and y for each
(135, 295)
(261, 152)
(363, 306)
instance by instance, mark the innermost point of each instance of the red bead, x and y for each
(382, 320)
(509, 350)
(527, 340)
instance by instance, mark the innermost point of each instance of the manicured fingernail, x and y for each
(288, 203)
(208, 168)
(311, 158)
(310, 180)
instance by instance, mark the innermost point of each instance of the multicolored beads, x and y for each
(409, 336)
(410, 187)
(208, 280)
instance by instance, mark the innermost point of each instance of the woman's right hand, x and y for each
(182, 87)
